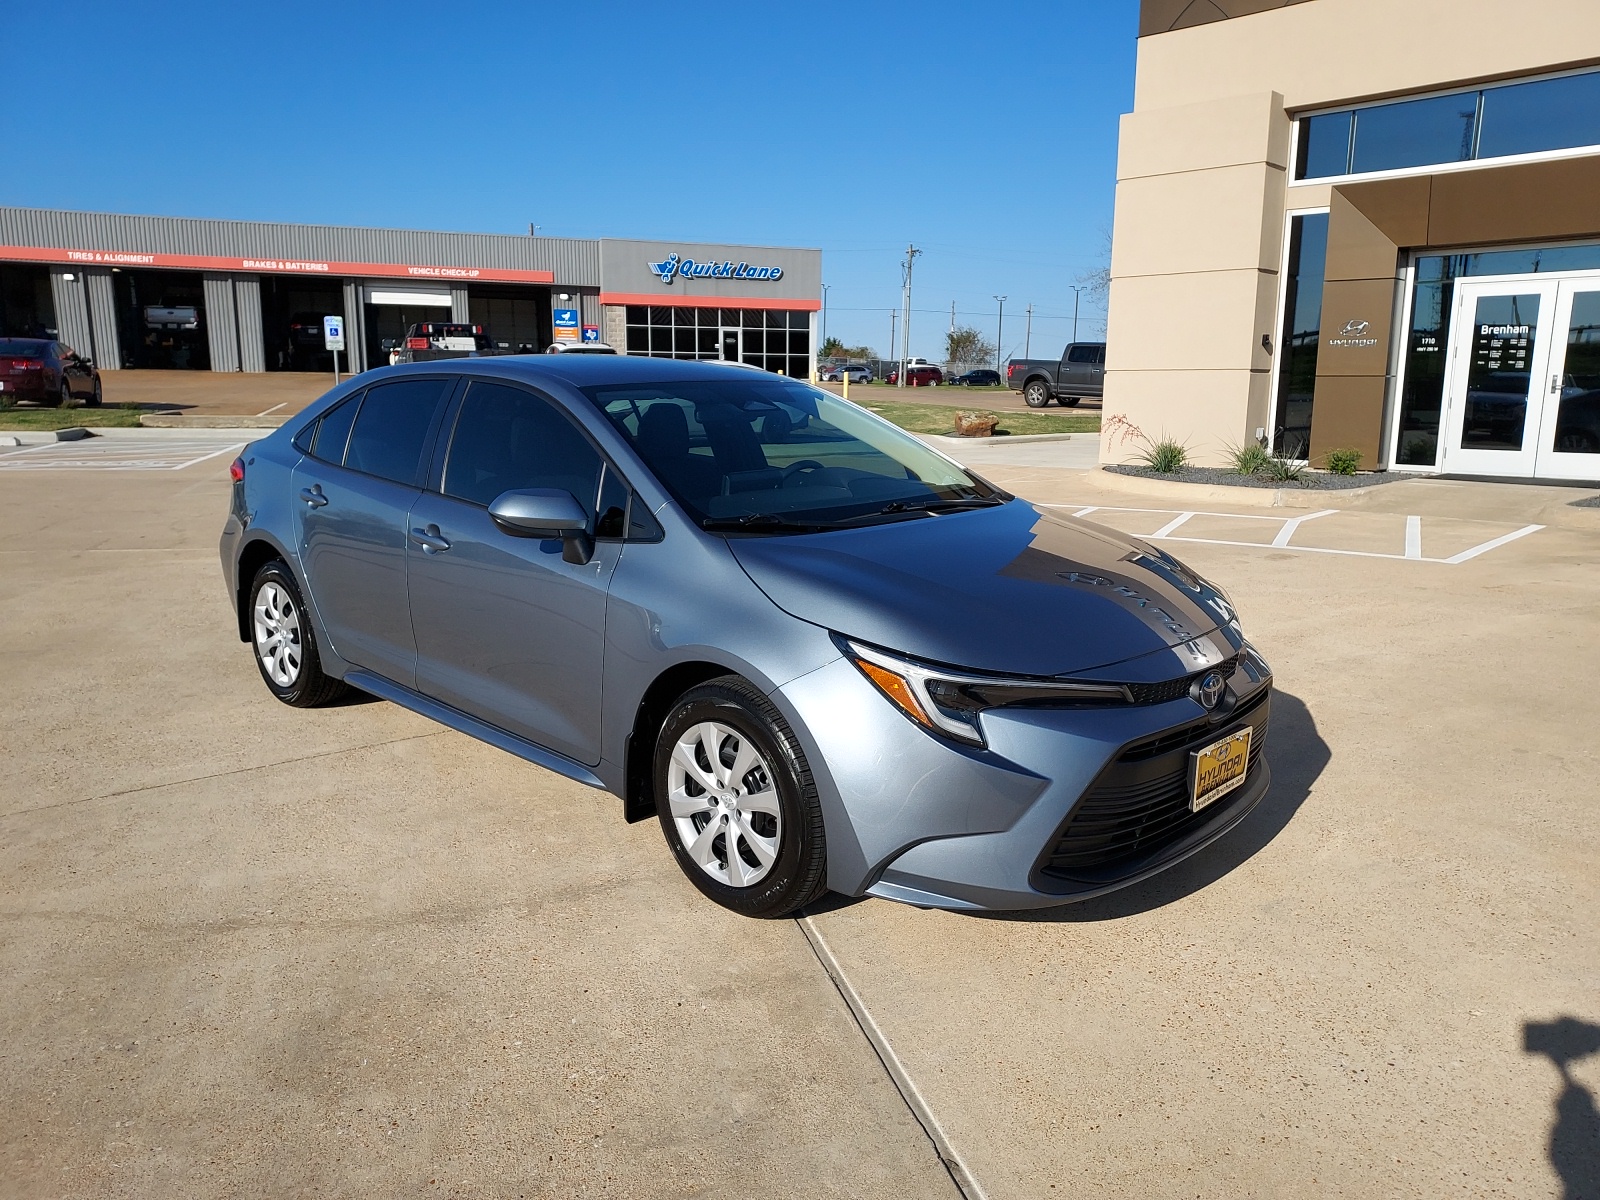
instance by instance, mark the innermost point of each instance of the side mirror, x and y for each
(546, 513)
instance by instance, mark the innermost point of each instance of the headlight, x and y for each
(950, 701)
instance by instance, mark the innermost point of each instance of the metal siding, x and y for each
(573, 261)
(222, 322)
(107, 350)
(460, 311)
(252, 339)
(589, 308)
(72, 310)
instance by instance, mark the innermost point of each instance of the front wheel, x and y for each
(284, 644)
(95, 398)
(737, 802)
(1036, 394)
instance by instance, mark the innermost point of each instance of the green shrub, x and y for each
(1165, 457)
(1282, 470)
(1344, 462)
(1248, 458)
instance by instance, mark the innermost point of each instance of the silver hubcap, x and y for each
(277, 622)
(724, 804)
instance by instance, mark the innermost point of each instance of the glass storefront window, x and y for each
(775, 340)
(1302, 330)
(1518, 118)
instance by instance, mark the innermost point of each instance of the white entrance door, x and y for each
(1569, 429)
(1524, 382)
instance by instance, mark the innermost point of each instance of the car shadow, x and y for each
(1298, 756)
(1574, 1146)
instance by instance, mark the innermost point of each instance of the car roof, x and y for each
(581, 370)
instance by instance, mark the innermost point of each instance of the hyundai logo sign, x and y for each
(674, 267)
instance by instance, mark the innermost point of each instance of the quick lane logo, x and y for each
(673, 267)
(1353, 335)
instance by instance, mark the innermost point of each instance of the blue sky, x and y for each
(986, 134)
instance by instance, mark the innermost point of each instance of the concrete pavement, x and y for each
(252, 949)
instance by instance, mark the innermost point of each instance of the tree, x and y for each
(1097, 280)
(964, 344)
(833, 348)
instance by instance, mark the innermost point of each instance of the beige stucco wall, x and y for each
(1194, 266)
(1202, 184)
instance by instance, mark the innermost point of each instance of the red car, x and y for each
(917, 377)
(46, 372)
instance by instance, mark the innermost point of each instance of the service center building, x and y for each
(1363, 224)
(139, 292)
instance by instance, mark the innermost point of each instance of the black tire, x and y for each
(309, 686)
(1036, 393)
(798, 874)
(63, 398)
(1068, 401)
(95, 398)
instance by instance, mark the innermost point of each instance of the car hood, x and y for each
(1014, 589)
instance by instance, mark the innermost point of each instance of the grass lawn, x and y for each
(937, 418)
(21, 420)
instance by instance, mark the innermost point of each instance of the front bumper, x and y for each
(1062, 805)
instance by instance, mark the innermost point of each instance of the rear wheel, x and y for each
(1035, 394)
(1068, 401)
(737, 802)
(285, 646)
(62, 398)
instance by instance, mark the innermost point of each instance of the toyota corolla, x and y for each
(820, 653)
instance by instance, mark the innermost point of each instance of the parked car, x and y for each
(46, 372)
(1080, 372)
(305, 332)
(982, 377)
(803, 641)
(579, 348)
(430, 341)
(917, 376)
(836, 374)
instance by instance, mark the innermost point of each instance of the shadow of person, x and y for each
(1575, 1137)
(1298, 756)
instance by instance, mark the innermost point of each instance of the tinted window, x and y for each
(22, 348)
(507, 439)
(1415, 133)
(332, 432)
(1324, 146)
(1302, 324)
(392, 427)
(1552, 114)
(1081, 354)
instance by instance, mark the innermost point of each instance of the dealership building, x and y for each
(178, 293)
(1367, 224)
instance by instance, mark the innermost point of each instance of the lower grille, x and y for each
(1140, 803)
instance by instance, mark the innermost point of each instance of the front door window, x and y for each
(1575, 386)
(1500, 374)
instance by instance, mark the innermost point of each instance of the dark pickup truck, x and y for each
(1080, 372)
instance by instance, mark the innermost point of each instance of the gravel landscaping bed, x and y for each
(1311, 481)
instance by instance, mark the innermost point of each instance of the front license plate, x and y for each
(1218, 768)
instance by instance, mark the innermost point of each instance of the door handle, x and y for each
(1555, 384)
(430, 539)
(313, 496)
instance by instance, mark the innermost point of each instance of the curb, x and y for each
(180, 421)
(1248, 497)
(1008, 439)
(75, 434)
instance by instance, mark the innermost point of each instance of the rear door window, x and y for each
(329, 436)
(1081, 354)
(392, 427)
(507, 439)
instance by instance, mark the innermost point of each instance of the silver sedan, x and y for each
(819, 653)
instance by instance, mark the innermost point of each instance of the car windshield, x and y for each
(781, 456)
(21, 348)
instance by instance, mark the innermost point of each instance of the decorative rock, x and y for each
(976, 424)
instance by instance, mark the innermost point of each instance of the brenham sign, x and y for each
(674, 267)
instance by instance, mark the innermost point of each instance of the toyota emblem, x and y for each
(1208, 689)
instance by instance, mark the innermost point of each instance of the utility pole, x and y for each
(1027, 338)
(905, 321)
(893, 317)
(1075, 291)
(824, 315)
(999, 333)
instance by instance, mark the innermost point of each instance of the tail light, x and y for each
(27, 364)
(236, 470)
(417, 343)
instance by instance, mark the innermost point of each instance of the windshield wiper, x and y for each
(763, 523)
(937, 506)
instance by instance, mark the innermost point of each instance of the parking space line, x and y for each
(958, 1170)
(268, 412)
(1414, 537)
(1294, 523)
(1289, 526)
(1488, 546)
